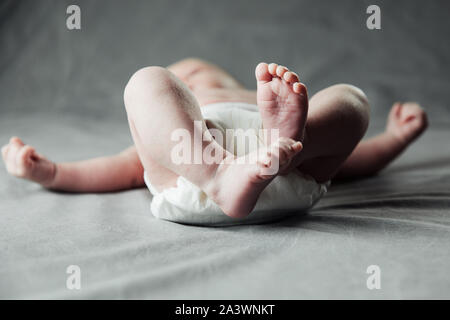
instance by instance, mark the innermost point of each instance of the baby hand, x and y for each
(24, 162)
(406, 121)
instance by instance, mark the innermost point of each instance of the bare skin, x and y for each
(282, 100)
(322, 140)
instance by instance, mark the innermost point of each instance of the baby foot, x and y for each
(24, 162)
(239, 181)
(282, 100)
(406, 121)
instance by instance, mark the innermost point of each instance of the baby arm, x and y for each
(103, 174)
(405, 123)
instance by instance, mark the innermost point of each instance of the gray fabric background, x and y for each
(61, 91)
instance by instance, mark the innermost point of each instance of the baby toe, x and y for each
(262, 72)
(290, 77)
(273, 69)
(299, 88)
(281, 70)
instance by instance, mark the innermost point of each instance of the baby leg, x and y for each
(337, 120)
(159, 104)
(103, 174)
(406, 122)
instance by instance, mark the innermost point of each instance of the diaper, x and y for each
(292, 194)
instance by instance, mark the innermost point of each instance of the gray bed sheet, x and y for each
(61, 91)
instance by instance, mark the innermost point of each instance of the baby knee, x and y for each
(357, 105)
(352, 92)
(147, 81)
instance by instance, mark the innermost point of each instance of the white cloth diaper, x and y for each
(186, 203)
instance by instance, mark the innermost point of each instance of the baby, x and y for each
(318, 137)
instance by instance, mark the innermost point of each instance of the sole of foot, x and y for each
(282, 100)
